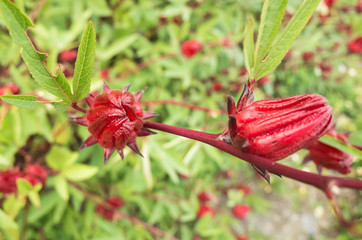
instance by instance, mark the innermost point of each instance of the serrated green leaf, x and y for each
(61, 186)
(22, 101)
(84, 63)
(336, 143)
(249, 46)
(285, 41)
(79, 172)
(270, 20)
(60, 106)
(17, 24)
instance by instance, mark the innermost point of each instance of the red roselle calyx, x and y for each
(325, 156)
(115, 119)
(276, 128)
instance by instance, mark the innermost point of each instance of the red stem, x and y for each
(319, 181)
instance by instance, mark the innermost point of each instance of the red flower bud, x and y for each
(205, 209)
(203, 197)
(190, 48)
(308, 56)
(8, 180)
(115, 119)
(36, 174)
(325, 156)
(108, 212)
(115, 201)
(9, 88)
(276, 128)
(359, 7)
(240, 210)
(329, 3)
(242, 237)
(355, 45)
(68, 55)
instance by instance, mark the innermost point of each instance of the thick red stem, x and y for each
(319, 181)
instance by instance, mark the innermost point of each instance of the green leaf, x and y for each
(79, 172)
(270, 20)
(85, 63)
(285, 41)
(61, 186)
(60, 158)
(249, 47)
(22, 101)
(117, 46)
(25, 189)
(9, 226)
(17, 24)
(336, 143)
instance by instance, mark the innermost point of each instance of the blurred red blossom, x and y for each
(205, 209)
(355, 45)
(241, 210)
(68, 55)
(190, 48)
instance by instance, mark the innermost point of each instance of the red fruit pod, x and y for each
(8, 180)
(325, 156)
(205, 209)
(115, 119)
(204, 197)
(355, 45)
(190, 48)
(241, 210)
(276, 128)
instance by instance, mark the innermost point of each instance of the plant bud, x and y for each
(325, 156)
(276, 128)
(115, 119)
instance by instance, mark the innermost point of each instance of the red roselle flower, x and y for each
(307, 56)
(325, 156)
(359, 7)
(205, 209)
(8, 180)
(241, 210)
(242, 237)
(114, 202)
(35, 174)
(115, 119)
(203, 197)
(355, 45)
(68, 55)
(190, 48)
(9, 88)
(329, 3)
(276, 128)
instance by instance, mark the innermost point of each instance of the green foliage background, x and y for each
(161, 188)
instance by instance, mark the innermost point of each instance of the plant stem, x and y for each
(319, 181)
(25, 220)
(183, 104)
(76, 107)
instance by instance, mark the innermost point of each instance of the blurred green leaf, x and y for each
(270, 20)
(336, 143)
(61, 186)
(85, 63)
(79, 172)
(249, 47)
(9, 226)
(17, 23)
(60, 158)
(22, 101)
(116, 47)
(285, 41)
(25, 189)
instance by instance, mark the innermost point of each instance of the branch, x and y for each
(186, 105)
(121, 215)
(319, 181)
